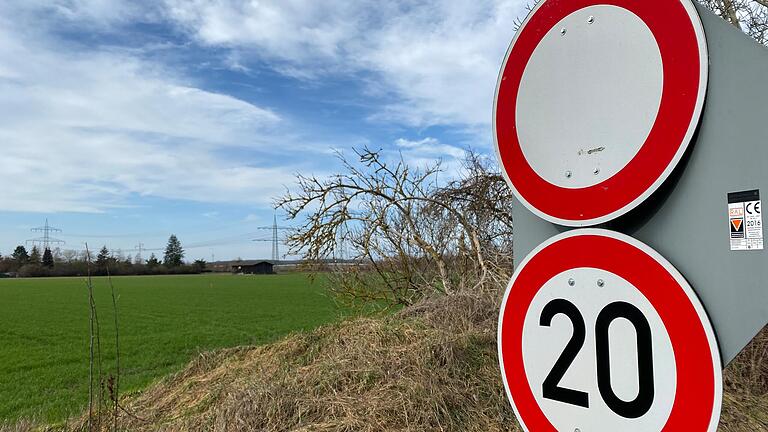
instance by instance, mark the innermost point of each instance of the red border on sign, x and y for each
(696, 396)
(679, 44)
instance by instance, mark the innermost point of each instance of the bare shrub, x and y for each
(750, 16)
(404, 234)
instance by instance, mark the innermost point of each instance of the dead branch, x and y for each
(413, 234)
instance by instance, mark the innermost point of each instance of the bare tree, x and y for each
(750, 16)
(404, 235)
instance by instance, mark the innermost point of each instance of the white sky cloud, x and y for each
(439, 57)
(425, 152)
(430, 147)
(81, 131)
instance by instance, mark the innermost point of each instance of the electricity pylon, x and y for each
(46, 240)
(275, 237)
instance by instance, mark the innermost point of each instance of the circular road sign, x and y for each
(596, 104)
(598, 332)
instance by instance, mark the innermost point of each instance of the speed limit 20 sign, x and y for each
(598, 332)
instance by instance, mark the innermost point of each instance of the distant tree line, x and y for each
(56, 262)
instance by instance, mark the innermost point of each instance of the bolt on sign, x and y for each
(599, 121)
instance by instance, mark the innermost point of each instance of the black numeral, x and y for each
(642, 403)
(551, 387)
(628, 409)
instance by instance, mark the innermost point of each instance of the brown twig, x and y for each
(89, 284)
(115, 392)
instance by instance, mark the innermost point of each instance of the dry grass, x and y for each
(432, 367)
(396, 373)
(22, 426)
(745, 403)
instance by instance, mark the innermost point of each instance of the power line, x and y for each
(140, 248)
(193, 231)
(223, 241)
(46, 240)
(275, 247)
(275, 238)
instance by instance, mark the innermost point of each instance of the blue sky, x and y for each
(125, 121)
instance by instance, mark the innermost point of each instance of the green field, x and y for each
(164, 322)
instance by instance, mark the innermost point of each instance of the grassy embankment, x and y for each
(431, 367)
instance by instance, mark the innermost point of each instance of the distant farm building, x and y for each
(282, 266)
(258, 267)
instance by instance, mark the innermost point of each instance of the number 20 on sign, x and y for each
(598, 332)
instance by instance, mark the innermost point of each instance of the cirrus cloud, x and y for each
(85, 130)
(437, 60)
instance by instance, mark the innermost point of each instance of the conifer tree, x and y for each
(174, 253)
(34, 256)
(48, 258)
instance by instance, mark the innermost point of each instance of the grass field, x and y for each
(164, 322)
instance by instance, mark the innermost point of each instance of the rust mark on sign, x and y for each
(582, 152)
